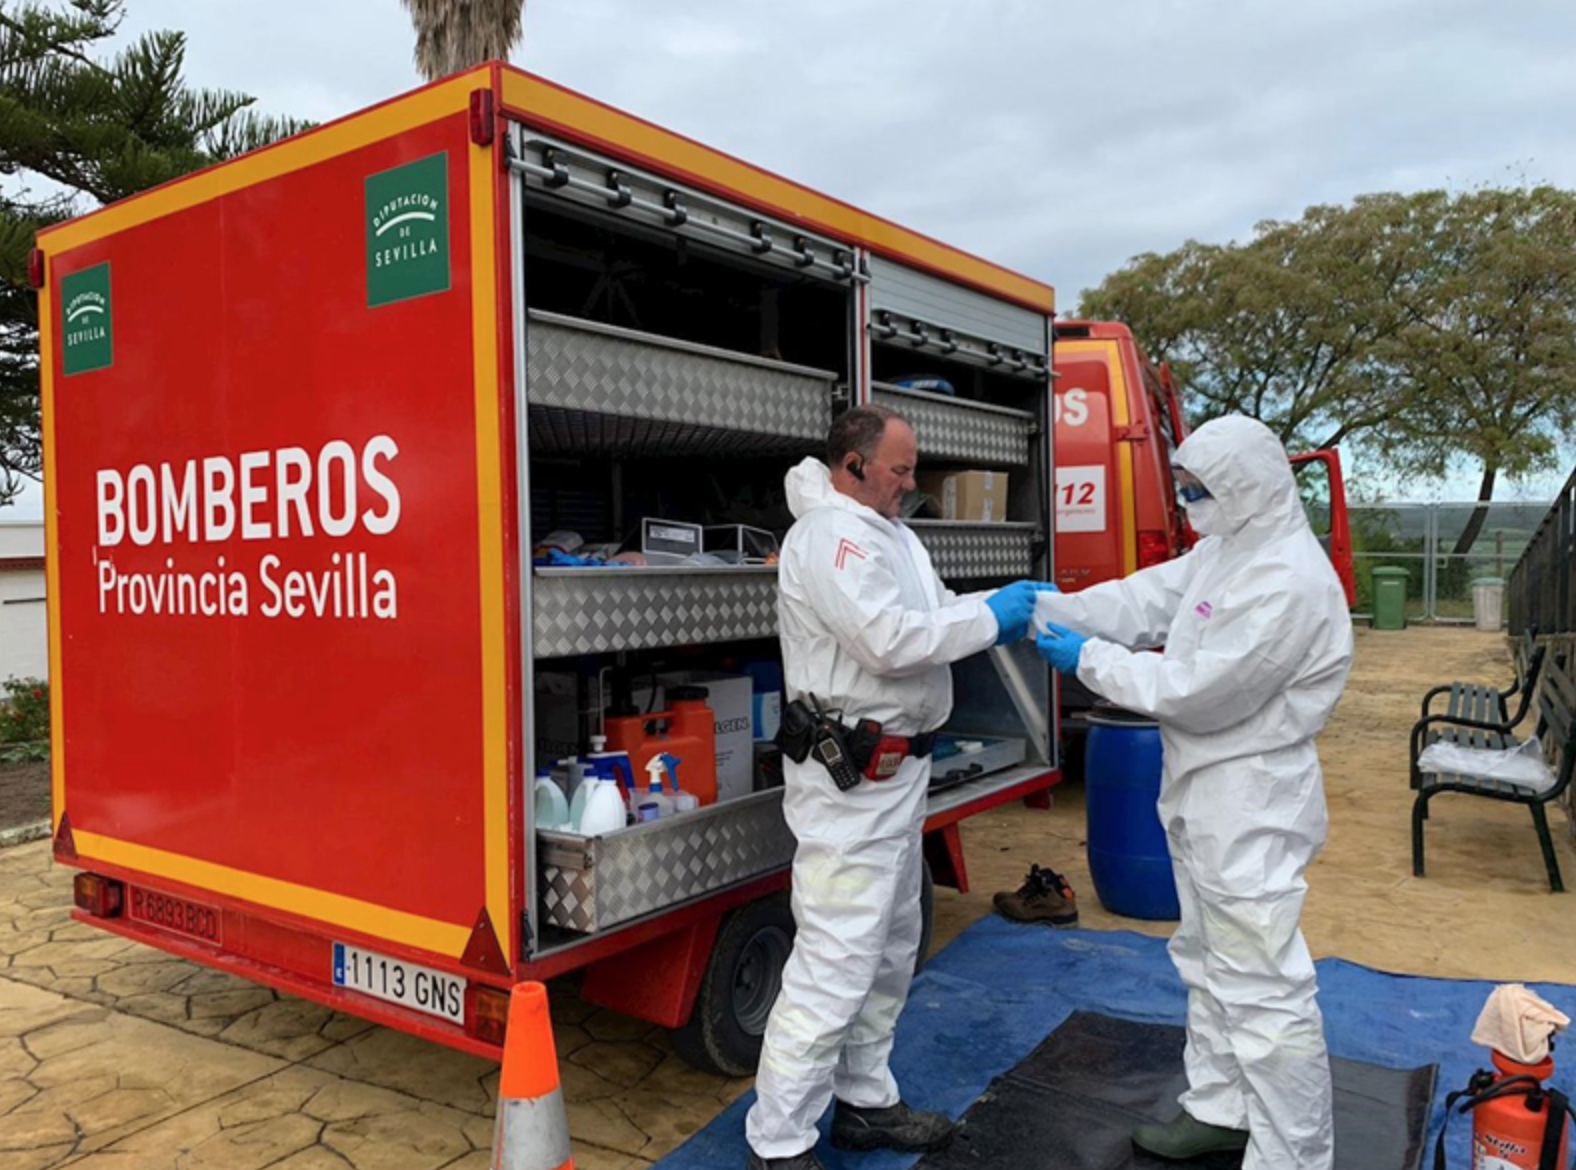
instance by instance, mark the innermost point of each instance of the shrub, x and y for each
(25, 718)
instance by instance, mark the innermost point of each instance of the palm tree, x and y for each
(452, 35)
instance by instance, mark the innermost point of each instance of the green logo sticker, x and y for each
(408, 231)
(86, 320)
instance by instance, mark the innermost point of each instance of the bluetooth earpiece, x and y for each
(856, 468)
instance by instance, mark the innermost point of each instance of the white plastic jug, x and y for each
(577, 804)
(552, 809)
(604, 811)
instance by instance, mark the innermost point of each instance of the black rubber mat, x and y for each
(1073, 1101)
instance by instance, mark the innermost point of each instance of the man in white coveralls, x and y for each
(869, 631)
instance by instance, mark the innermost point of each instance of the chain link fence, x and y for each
(1425, 540)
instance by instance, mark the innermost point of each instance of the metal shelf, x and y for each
(592, 611)
(955, 428)
(598, 388)
(966, 550)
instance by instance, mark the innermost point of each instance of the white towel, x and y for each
(1518, 1024)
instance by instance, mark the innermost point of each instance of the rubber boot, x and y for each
(895, 1127)
(1187, 1137)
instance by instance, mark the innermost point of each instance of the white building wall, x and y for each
(24, 632)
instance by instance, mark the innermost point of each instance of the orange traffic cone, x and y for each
(531, 1131)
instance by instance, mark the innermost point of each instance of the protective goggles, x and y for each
(1189, 487)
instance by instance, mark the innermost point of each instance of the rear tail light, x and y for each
(487, 1014)
(101, 897)
(1153, 549)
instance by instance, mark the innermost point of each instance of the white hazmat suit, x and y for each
(1258, 644)
(868, 628)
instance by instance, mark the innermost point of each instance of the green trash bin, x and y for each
(1389, 598)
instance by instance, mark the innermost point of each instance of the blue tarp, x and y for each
(986, 1001)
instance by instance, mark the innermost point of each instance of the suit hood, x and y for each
(809, 486)
(1246, 470)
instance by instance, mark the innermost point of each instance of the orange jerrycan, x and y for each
(686, 729)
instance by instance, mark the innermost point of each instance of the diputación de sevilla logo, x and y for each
(87, 341)
(407, 227)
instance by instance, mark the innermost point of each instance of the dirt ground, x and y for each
(1484, 911)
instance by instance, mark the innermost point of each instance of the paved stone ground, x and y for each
(114, 1056)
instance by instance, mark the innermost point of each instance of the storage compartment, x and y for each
(599, 388)
(590, 611)
(963, 430)
(594, 267)
(673, 371)
(960, 758)
(963, 551)
(591, 883)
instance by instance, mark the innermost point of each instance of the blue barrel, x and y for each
(1128, 857)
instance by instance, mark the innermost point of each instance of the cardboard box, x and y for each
(968, 495)
(730, 697)
(565, 714)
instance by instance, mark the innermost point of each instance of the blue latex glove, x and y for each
(1061, 647)
(1014, 607)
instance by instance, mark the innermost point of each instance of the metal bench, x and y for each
(1556, 727)
(1477, 715)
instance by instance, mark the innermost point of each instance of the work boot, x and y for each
(1187, 1137)
(894, 1127)
(804, 1161)
(1044, 896)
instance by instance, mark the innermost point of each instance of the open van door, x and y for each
(1323, 492)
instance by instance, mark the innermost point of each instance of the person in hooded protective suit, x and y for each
(1258, 643)
(868, 629)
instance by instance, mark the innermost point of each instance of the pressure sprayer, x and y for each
(1518, 1122)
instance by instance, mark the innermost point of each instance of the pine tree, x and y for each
(81, 127)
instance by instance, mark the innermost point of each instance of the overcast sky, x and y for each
(1057, 139)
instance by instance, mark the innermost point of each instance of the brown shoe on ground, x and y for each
(1044, 896)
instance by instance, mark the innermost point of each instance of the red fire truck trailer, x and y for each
(307, 413)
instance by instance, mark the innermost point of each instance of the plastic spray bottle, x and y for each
(653, 804)
(683, 801)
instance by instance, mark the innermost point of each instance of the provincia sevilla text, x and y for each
(204, 512)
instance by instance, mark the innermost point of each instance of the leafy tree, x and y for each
(452, 35)
(1284, 328)
(1430, 328)
(79, 128)
(1490, 344)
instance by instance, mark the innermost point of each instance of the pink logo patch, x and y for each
(1204, 609)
